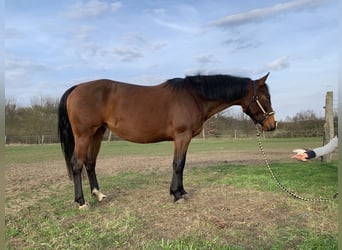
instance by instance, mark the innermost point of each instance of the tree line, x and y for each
(303, 124)
(40, 120)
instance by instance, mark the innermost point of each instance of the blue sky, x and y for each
(52, 45)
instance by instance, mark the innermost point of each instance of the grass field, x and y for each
(233, 202)
(48, 152)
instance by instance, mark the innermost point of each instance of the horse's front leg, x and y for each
(177, 188)
(181, 143)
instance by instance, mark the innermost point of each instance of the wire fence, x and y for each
(31, 139)
(233, 134)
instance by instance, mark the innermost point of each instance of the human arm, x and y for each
(304, 154)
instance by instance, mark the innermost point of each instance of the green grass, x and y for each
(47, 152)
(297, 177)
(187, 243)
(136, 213)
(32, 153)
(52, 223)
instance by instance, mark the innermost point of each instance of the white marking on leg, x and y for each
(84, 206)
(100, 196)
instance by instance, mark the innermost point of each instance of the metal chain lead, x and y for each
(281, 186)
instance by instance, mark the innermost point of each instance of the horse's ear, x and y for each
(262, 80)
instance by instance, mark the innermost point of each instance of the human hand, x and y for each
(300, 155)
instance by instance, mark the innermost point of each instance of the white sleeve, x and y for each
(327, 148)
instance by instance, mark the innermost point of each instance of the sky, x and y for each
(52, 45)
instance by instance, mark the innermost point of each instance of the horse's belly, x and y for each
(140, 133)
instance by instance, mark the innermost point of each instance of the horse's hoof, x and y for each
(185, 196)
(84, 206)
(100, 196)
(181, 200)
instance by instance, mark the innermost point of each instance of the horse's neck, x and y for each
(212, 107)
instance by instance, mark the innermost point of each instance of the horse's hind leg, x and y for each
(77, 169)
(77, 161)
(90, 163)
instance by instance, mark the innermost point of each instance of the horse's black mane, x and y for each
(213, 87)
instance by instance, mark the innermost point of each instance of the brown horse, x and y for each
(174, 110)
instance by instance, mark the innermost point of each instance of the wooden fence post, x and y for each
(109, 136)
(329, 123)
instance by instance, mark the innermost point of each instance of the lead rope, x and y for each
(281, 186)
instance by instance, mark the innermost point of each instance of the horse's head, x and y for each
(257, 104)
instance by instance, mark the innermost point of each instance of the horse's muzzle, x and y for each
(269, 124)
(270, 127)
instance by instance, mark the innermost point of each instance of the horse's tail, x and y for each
(66, 135)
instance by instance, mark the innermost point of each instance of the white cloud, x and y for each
(18, 68)
(139, 42)
(260, 14)
(82, 41)
(134, 39)
(205, 59)
(128, 55)
(14, 33)
(84, 32)
(279, 63)
(177, 26)
(87, 9)
(158, 45)
(116, 6)
(240, 44)
(159, 11)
